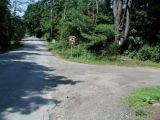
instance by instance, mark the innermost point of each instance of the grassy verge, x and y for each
(141, 100)
(11, 47)
(88, 58)
(132, 63)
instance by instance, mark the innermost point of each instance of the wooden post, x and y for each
(72, 40)
(71, 50)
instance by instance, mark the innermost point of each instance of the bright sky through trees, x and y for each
(19, 6)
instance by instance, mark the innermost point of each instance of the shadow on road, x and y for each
(23, 84)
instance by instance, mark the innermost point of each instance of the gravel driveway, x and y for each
(36, 85)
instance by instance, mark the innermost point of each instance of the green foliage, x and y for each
(79, 50)
(33, 17)
(110, 51)
(17, 28)
(106, 29)
(144, 53)
(99, 36)
(143, 41)
(47, 36)
(94, 38)
(149, 53)
(155, 55)
(141, 99)
(92, 24)
(98, 41)
(135, 42)
(4, 24)
(11, 27)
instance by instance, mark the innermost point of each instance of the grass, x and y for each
(133, 63)
(141, 100)
(87, 58)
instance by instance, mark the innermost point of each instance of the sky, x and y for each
(20, 6)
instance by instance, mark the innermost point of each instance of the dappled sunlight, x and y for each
(25, 84)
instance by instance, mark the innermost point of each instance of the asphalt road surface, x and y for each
(36, 85)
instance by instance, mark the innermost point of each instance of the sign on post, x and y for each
(72, 40)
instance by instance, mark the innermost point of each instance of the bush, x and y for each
(47, 37)
(105, 29)
(110, 50)
(155, 54)
(130, 54)
(17, 29)
(149, 53)
(144, 53)
(61, 45)
(135, 43)
(79, 50)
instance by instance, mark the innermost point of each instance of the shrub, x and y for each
(106, 29)
(135, 43)
(79, 50)
(110, 50)
(47, 37)
(130, 54)
(149, 53)
(59, 45)
(155, 54)
(144, 53)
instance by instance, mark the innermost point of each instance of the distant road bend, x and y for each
(35, 85)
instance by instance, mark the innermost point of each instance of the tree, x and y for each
(33, 17)
(4, 23)
(11, 26)
(94, 26)
(17, 29)
(121, 11)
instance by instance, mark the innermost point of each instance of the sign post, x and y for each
(72, 40)
(71, 50)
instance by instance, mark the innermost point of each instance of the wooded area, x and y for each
(12, 27)
(104, 29)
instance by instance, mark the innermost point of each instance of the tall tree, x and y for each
(11, 26)
(33, 17)
(121, 11)
(4, 23)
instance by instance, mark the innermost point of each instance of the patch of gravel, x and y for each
(155, 112)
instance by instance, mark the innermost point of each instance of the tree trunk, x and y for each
(64, 14)
(97, 9)
(121, 34)
(127, 19)
(117, 11)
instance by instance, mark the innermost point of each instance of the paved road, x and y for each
(35, 85)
